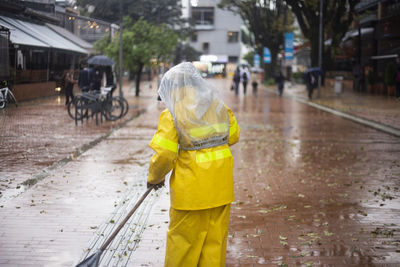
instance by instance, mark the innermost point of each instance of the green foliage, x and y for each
(249, 57)
(298, 75)
(390, 73)
(101, 45)
(142, 42)
(185, 52)
(270, 81)
(247, 38)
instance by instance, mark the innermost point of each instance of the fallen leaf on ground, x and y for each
(284, 243)
(282, 237)
(327, 233)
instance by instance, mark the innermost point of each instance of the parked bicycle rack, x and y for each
(94, 104)
(88, 102)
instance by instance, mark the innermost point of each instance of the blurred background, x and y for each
(354, 40)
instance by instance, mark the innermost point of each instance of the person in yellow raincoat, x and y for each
(193, 138)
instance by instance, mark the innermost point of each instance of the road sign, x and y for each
(256, 61)
(289, 46)
(267, 55)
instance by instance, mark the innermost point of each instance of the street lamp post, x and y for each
(120, 49)
(320, 47)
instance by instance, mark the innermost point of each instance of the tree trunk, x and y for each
(270, 68)
(314, 45)
(138, 77)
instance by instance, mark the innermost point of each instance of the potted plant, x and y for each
(390, 73)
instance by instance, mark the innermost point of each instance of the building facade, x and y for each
(43, 39)
(377, 43)
(217, 36)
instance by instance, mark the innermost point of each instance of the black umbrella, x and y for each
(93, 260)
(100, 60)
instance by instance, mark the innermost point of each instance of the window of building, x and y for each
(206, 47)
(193, 37)
(233, 37)
(203, 15)
(233, 59)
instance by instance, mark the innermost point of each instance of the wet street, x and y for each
(311, 188)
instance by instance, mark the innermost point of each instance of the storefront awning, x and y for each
(43, 34)
(72, 37)
(384, 56)
(21, 38)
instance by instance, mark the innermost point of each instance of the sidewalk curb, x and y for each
(79, 151)
(372, 124)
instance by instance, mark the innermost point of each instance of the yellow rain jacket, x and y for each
(201, 179)
(192, 140)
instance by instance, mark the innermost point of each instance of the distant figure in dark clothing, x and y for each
(69, 86)
(280, 80)
(245, 78)
(84, 79)
(96, 79)
(311, 82)
(236, 80)
(110, 80)
(254, 84)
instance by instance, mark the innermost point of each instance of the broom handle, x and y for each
(116, 231)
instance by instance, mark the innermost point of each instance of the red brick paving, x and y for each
(321, 191)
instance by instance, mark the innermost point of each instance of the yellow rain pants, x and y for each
(197, 238)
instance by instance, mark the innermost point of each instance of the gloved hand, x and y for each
(156, 186)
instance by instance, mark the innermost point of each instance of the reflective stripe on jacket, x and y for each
(200, 179)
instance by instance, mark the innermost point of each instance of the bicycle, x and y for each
(115, 107)
(6, 95)
(112, 108)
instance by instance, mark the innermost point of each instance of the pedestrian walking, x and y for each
(280, 81)
(236, 80)
(69, 85)
(311, 82)
(254, 84)
(193, 138)
(85, 77)
(245, 78)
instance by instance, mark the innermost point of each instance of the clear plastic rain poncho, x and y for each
(200, 117)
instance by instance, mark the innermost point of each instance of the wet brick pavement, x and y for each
(37, 135)
(322, 191)
(376, 108)
(55, 222)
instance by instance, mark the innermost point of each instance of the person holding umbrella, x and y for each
(193, 139)
(311, 78)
